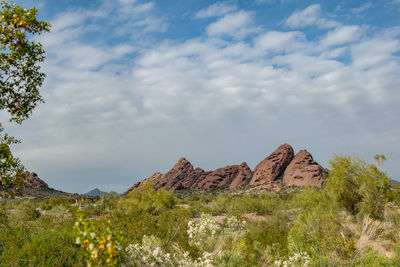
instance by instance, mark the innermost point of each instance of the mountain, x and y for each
(95, 193)
(34, 187)
(299, 170)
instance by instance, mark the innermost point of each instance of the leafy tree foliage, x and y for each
(10, 167)
(20, 76)
(20, 79)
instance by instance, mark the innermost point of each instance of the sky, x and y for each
(133, 85)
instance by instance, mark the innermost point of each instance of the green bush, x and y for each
(317, 230)
(359, 187)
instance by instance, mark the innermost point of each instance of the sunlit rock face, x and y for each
(304, 170)
(273, 166)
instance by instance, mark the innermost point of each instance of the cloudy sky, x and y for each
(133, 85)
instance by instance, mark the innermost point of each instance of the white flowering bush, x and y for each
(233, 224)
(301, 259)
(152, 253)
(204, 233)
(184, 260)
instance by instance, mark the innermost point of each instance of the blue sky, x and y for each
(134, 85)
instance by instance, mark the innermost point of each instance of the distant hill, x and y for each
(95, 193)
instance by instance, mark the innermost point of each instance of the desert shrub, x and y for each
(391, 224)
(317, 230)
(216, 244)
(49, 203)
(371, 259)
(108, 202)
(219, 205)
(297, 259)
(43, 242)
(359, 187)
(3, 216)
(147, 200)
(266, 237)
(204, 232)
(263, 204)
(24, 211)
(152, 252)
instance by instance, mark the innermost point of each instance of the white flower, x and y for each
(91, 246)
(78, 241)
(93, 235)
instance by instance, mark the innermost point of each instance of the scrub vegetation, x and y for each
(353, 220)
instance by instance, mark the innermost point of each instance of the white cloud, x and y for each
(362, 8)
(111, 117)
(217, 9)
(341, 35)
(373, 52)
(310, 16)
(238, 24)
(280, 41)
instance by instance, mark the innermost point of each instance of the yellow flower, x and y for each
(108, 260)
(101, 246)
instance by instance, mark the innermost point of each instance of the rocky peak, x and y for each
(303, 170)
(32, 180)
(273, 166)
(174, 178)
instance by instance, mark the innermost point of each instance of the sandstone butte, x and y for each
(299, 170)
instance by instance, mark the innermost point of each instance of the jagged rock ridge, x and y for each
(297, 170)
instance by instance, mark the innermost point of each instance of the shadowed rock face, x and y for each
(273, 166)
(303, 170)
(236, 175)
(243, 176)
(33, 181)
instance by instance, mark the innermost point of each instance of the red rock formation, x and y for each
(244, 174)
(181, 173)
(303, 170)
(155, 178)
(192, 178)
(272, 166)
(32, 180)
(236, 175)
(219, 177)
(300, 170)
